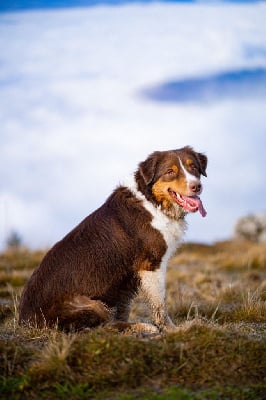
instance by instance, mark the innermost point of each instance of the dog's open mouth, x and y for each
(189, 203)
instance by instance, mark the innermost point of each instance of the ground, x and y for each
(216, 296)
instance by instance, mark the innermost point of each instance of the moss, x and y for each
(201, 356)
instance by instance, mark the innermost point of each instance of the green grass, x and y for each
(83, 365)
(215, 294)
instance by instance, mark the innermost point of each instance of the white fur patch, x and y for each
(172, 230)
(189, 177)
(153, 282)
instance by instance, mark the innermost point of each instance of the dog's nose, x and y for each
(195, 187)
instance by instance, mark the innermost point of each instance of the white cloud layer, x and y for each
(73, 123)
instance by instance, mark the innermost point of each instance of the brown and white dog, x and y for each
(91, 275)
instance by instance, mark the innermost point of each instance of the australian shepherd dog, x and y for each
(90, 277)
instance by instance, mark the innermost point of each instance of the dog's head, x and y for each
(171, 179)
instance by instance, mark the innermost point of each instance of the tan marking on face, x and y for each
(189, 162)
(180, 186)
(161, 190)
(174, 168)
(170, 172)
(192, 167)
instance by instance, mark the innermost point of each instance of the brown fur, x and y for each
(91, 275)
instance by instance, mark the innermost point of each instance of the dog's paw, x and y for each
(139, 329)
(168, 326)
(144, 330)
(171, 328)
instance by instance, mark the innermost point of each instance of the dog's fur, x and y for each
(92, 274)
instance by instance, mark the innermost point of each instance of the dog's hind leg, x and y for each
(82, 312)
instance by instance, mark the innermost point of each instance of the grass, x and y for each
(215, 294)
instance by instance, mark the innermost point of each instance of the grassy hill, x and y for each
(216, 295)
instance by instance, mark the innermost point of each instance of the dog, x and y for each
(90, 277)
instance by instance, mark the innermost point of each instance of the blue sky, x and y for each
(13, 5)
(87, 93)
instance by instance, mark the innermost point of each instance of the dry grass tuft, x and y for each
(52, 359)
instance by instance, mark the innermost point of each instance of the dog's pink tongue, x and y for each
(197, 204)
(202, 209)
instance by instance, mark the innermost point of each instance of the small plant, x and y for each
(252, 308)
(52, 358)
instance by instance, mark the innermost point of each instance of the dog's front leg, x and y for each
(123, 310)
(153, 287)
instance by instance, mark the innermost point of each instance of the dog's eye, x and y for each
(170, 171)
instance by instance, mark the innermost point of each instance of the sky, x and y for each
(89, 92)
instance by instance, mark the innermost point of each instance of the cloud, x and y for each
(73, 124)
(236, 84)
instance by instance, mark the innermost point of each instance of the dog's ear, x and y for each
(147, 168)
(203, 160)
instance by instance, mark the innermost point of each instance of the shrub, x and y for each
(251, 227)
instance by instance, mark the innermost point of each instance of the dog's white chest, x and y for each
(171, 230)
